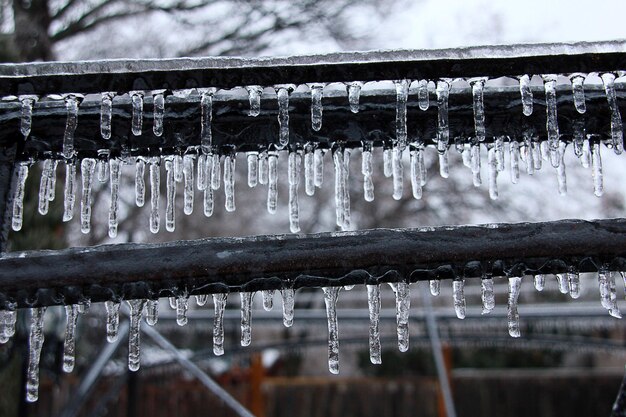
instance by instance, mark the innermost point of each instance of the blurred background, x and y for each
(570, 359)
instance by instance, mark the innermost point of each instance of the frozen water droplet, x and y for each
(560, 171)
(617, 134)
(229, 182)
(246, 317)
(373, 302)
(317, 92)
(458, 297)
(152, 312)
(272, 186)
(170, 212)
(552, 125)
(443, 129)
(182, 305)
(309, 175)
(493, 174)
(294, 180)
(354, 93)
(106, 114)
(515, 283)
(416, 172)
(254, 97)
(435, 287)
(35, 343)
(318, 162)
(422, 95)
(158, 101)
(289, 296)
(263, 168)
(134, 334)
(172, 302)
(487, 296)
(102, 170)
(201, 299)
(155, 194)
(596, 170)
(514, 157)
(366, 170)
(563, 283)
(403, 306)
(578, 91)
(527, 95)
(71, 105)
(475, 161)
(69, 344)
(113, 320)
(26, 117)
(283, 115)
(219, 302)
(402, 94)
(398, 172)
(216, 172)
(140, 184)
(206, 116)
(137, 116)
(387, 163)
(115, 185)
(18, 198)
(188, 183)
(268, 299)
(539, 281)
(444, 168)
(87, 168)
(574, 284)
(330, 299)
(253, 168)
(478, 86)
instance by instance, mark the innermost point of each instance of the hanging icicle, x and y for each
(317, 92)
(373, 302)
(354, 93)
(158, 104)
(515, 284)
(330, 300)
(206, 116)
(403, 306)
(134, 334)
(137, 116)
(35, 343)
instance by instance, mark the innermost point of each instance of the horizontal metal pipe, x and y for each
(328, 259)
(223, 72)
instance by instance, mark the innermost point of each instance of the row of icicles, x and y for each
(568, 283)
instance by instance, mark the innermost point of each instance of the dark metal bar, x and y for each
(493, 61)
(328, 259)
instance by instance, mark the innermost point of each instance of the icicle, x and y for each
(346, 190)
(444, 168)
(229, 182)
(515, 284)
(170, 212)
(478, 86)
(8, 318)
(294, 180)
(158, 101)
(578, 91)
(202, 299)
(551, 114)
(134, 333)
(537, 156)
(596, 170)
(206, 110)
(354, 93)
(26, 117)
(466, 155)
(178, 168)
(617, 134)
(268, 299)
(330, 299)
(44, 187)
(527, 95)
(84, 306)
(398, 172)
(443, 130)
(254, 97)
(137, 116)
(263, 168)
(499, 145)
(182, 305)
(309, 176)
(402, 94)
(115, 185)
(288, 295)
(422, 95)
(272, 186)
(106, 114)
(574, 284)
(18, 198)
(387, 162)
(52, 180)
(283, 116)
(366, 170)
(216, 171)
(514, 156)
(403, 306)
(560, 170)
(35, 343)
(172, 302)
(155, 194)
(188, 183)
(563, 283)
(69, 345)
(348, 287)
(539, 281)
(318, 167)
(613, 308)
(603, 285)
(207, 202)
(219, 302)
(373, 302)
(339, 187)
(102, 170)
(113, 320)
(152, 312)
(203, 173)
(71, 105)
(489, 301)
(435, 287)
(458, 297)
(585, 157)
(253, 168)
(317, 92)
(416, 181)
(87, 168)
(475, 161)
(246, 317)
(493, 174)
